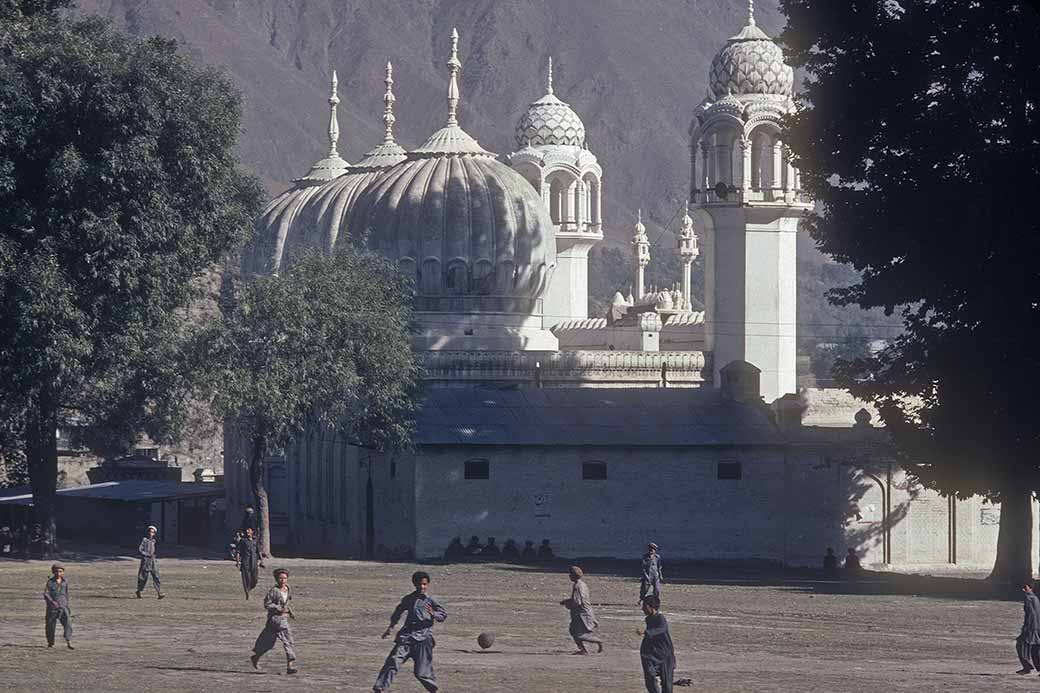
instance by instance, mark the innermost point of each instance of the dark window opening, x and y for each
(728, 471)
(594, 471)
(477, 469)
(393, 469)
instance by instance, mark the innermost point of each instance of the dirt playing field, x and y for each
(733, 631)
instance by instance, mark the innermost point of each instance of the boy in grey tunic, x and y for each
(277, 627)
(149, 566)
(583, 620)
(56, 594)
(651, 579)
(415, 639)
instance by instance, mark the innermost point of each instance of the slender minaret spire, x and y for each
(642, 245)
(688, 252)
(333, 123)
(751, 12)
(453, 83)
(550, 75)
(388, 105)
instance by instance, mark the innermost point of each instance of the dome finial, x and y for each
(333, 122)
(550, 75)
(388, 105)
(453, 84)
(751, 12)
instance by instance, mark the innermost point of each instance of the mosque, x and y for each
(655, 421)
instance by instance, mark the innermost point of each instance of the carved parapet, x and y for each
(568, 368)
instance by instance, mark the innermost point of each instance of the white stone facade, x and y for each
(692, 457)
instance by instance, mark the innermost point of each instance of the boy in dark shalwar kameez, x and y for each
(415, 639)
(247, 558)
(277, 627)
(56, 594)
(149, 566)
(1027, 644)
(656, 651)
(583, 620)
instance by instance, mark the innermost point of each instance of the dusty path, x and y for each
(731, 634)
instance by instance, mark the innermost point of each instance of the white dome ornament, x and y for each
(388, 152)
(332, 166)
(750, 63)
(549, 121)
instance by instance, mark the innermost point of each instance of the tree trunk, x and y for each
(41, 452)
(256, 480)
(1015, 538)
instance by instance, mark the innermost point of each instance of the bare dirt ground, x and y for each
(734, 631)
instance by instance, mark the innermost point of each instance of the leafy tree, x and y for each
(326, 343)
(118, 186)
(919, 132)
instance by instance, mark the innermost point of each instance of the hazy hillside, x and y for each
(633, 71)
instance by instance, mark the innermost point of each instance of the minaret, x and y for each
(642, 246)
(688, 252)
(552, 156)
(747, 206)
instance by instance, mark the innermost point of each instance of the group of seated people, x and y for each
(24, 543)
(475, 551)
(830, 563)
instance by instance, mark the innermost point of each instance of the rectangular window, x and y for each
(393, 469)
(593, 471)
(477, 469)
(729, 471)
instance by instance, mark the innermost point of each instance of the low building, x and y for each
(118, 512)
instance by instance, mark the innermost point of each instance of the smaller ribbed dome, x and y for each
(750, 63)
(550, 121)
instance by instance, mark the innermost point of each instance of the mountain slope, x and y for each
(634, 72)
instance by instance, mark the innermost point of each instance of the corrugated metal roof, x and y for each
(125, 491)
(486, 415)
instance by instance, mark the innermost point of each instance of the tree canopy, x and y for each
(119, 186)
(919, 134)
(325, 343)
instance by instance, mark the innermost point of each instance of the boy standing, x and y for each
(415, 639)
(651, 579)
(656, 651)
(1027, 645)
(149, 566)
(277, 627)
(56, 594)
(247, 559)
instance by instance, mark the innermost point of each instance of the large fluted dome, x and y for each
(550, 121)
(750, 63)
(473, 233)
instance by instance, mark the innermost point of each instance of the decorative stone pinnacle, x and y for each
(388, 105)
(453, 83)
(333, 122)
(751, 13)
(550, 75)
